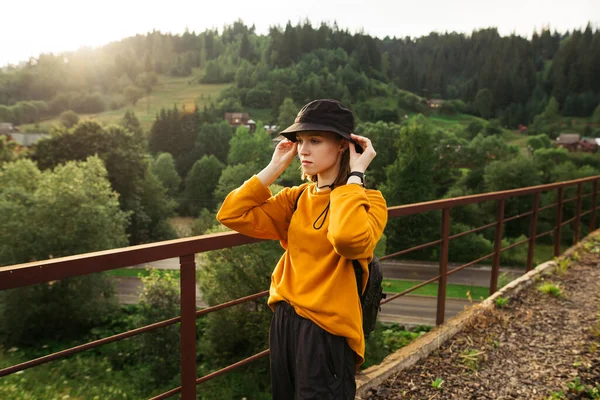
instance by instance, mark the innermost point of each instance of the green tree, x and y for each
(131, 123)
(69, 119)
(483, 103)
(246, 147)
(515, 173)
(596, 115)
(8, 150)
(287, 113)
(205, 221)
(159, 301)
(201, 183)
(164, 169)
(409, 180)
(541, 141)
(237, 332)
(69, 210)
(147, 81)
(232, 177)
(133, 94)
(128, 171)
(383, 136)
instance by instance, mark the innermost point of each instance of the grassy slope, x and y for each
(168, 92)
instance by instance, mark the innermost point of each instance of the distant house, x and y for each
(569, 141)
(237, 119)
(6, 127)
(435, 103)
(588, 145)
(271, 129)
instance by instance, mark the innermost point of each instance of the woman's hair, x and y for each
(342, 177)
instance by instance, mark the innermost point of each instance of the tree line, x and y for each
(510, 78)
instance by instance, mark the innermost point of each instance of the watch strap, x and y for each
(361, 175)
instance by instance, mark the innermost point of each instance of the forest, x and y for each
(91, 186)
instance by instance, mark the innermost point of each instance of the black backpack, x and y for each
(373, 294)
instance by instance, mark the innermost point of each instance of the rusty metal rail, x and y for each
(55, 269)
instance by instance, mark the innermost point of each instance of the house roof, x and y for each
(568, 138)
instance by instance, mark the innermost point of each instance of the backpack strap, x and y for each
(358, 271)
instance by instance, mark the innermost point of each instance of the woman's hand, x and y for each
(360, 161)
(284, 154)
(282, 157)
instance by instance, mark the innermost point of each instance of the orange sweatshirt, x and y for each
(315, 274)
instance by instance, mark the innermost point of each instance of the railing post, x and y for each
(533, 230)
(559, 213)
(188, 326)
(497, 247)
(578, 213)
(594, 201)
(443, 271)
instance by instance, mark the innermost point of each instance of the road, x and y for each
(419, 310)
(408, 310)
(477, 275)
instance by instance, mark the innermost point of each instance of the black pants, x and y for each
(308, 362)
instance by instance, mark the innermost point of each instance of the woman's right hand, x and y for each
(284, 154)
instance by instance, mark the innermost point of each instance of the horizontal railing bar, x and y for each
(412, 289)
(518, 216)
(410, 209)
(60, 268)
(238, 364)
(510, 246)
(568, 221)
(472, 230)
(548, 206)
(419, 247)
(168, 394)
(87, 346)
(231, 303)
(587, 212)
(570, 199)
(469, 264)
(545, 233)
(83, 264)
(583, 196)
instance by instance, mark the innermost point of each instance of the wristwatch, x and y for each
(361, 175)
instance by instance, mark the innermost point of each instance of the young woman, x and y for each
(316, 337)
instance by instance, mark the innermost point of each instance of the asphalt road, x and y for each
(407, 310)
(477, 275)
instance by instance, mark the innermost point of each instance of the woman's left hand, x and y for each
(360, 161)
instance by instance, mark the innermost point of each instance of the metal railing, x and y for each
(56, 269)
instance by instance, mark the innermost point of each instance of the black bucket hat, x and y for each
(324, 115)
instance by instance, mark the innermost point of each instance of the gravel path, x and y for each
(538, 346)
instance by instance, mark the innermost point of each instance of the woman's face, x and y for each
(320, 152)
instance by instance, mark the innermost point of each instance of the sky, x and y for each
(31, 27)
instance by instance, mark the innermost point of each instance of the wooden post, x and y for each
(497, 247)
(443, 270)
(533, 230)
(188, 326)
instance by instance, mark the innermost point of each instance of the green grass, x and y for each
(452, 291)
(169, 91)
(79, 377)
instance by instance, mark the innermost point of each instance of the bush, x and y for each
(92, 103)
(69, 119)
(159, 301)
